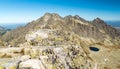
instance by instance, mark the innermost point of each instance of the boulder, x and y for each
(32, 63)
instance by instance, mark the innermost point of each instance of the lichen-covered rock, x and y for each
(1, 67)
(12, 67)
(25, 57)
(27, 51)
(34, 53)
(32, 63)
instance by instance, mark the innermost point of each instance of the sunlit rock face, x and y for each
(36, 34)
(66, 57)
(55, 42)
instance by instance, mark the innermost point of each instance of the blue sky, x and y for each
(23, 11)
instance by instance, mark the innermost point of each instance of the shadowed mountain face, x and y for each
(1, 28)
(2, 31)
(96, 29)
(55, 42)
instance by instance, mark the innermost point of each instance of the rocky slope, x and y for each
(2, 30)
(55, 42)
(96, 29)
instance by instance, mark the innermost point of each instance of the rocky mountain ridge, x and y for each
(96, 29)
(55, 42)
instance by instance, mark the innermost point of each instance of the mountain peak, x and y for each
(48, 16)
(98, 20)
(51, 14)
(77, 17)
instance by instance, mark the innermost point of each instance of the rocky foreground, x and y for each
(53, 42)
(31, 55)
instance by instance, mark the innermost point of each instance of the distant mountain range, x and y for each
(12, 26)
(114, 23)
(7, 27)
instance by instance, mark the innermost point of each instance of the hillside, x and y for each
(55, 42)
(96, 29)
(2, 30)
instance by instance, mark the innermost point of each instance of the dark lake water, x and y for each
(94, 49)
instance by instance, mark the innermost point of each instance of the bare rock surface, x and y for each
(55, 42)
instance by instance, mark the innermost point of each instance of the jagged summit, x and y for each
(97, 29)
(47, 14)
(79, 18)
(51, 15)
(55, 15)
(98, 20)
